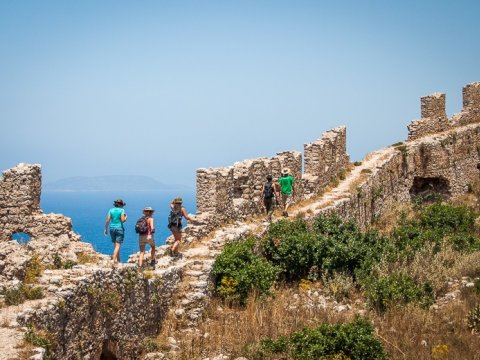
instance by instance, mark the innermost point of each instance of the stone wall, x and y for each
(324, 160)
(234, 192)
(107, 314)
(20, 211)
(443, 163)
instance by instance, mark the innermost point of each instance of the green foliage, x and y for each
(57, 261)
(354, 340)
(437, 223)
(476, 286)
(40, 338)
(24, 292)
(473, 319)
(33, 270)
(151, 345)
(14, 296)
(396, 289)
(68, 264)
(238, 271)
(330, 246)
(32, 292)
(357, 163)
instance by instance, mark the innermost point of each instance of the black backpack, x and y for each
(141, 226)
(268, 190)
(175, 218)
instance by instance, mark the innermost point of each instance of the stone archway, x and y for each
(429, 189)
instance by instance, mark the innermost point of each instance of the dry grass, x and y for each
(407, 333)
(428, 265)
(238, 331)
(85, 258)
(414, 333)
(388, 220)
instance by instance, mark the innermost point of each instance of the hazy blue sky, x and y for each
(161, 88)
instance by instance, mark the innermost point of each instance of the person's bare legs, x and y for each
(116, 253)
(178, 237)
(152, 251)
(140, 257)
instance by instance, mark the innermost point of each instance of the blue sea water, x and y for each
(88, 211)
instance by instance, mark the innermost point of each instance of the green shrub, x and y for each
(33, 292)
(237, 271)
(396, 289)
(436, 223)
(331, 246)
(40, 338)
(14, 296)
(354, 340)
(448, 219)
(473, 319)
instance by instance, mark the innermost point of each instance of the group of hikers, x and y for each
(272, 194)
(145, 227)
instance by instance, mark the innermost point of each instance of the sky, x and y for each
(161, 88)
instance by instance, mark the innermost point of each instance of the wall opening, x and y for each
(21, 237)
(429, 189)
(107, 353)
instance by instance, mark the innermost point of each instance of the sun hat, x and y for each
(119, 202)
(177, 200)
(148, 208)
(285, 171)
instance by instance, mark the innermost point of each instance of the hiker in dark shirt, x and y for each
(175, 223)
(269, 194)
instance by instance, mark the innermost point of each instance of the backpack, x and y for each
(268, 190)
(141, 226)
(175, 218)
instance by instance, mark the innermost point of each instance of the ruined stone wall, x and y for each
(20, 211)
(235, 192)
(109, 312)
(445, 163)
(324, 160)
(434, 118)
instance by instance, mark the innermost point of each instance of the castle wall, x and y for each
(324, 160)
(20, 189)
(114, 310)
(236, 192)
(451, 156)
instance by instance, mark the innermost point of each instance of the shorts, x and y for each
(286, 199)
(142, 240)
(175, 228)
(117, 235)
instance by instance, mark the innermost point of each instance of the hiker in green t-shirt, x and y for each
(286, 181)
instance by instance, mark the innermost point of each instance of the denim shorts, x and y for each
(117, 235)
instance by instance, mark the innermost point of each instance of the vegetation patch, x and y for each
(238, 271)
(354, 340)
(40, 338)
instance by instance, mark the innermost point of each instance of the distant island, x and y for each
(110, 183)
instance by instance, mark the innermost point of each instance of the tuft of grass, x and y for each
(85, 258)
(33, 270)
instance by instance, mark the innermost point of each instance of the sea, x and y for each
(88, 211)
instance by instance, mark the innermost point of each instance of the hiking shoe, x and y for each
(152, 263)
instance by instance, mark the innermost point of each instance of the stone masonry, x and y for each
(234, 192)
(20, 211)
